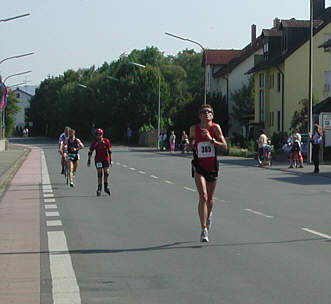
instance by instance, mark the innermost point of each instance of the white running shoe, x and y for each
(209, 221)
(204, 235)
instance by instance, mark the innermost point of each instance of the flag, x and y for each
(3, 101)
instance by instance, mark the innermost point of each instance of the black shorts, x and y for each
(209, 176)
(102, 164)
(73, 157)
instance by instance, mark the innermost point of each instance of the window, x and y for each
(272, 81)
(261, 80)
(17, 95)
(284, 42)
(261, 104)
(279, 78)
(266, 50)
(278, 120)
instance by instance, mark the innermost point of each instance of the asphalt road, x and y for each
(270, 240)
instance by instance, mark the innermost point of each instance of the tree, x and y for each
(11, 109)
(243, 108)
(300, 117)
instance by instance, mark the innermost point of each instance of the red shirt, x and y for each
(101, 148)
(205, 150)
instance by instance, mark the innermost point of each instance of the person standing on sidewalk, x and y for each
(102, 159)
(204, 138)
(316, 140)
(172, 141)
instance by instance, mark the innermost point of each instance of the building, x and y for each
(282, 75)
(24, 95)
(226, 74)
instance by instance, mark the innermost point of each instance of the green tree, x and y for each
(11, 109)
(243, 108)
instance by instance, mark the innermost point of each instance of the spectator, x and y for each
(172, 141)
(316, 140)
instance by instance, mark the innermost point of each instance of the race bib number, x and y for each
(98, 165)
(206, 149)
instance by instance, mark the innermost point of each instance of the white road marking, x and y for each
(47, 190)
(118, 164)
(153, 176)
(323, 235)
(218, 199)
(64, 283)
(53, 223)
(169, 182)
(259, 213)
(133, 169)
(49, 200)
(52, 213)
(48, 194)
(47, 187)
(190, 189)
(142, 172)
(51, 206)
(65, 289)
(124, 166)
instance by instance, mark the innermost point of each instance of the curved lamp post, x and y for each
(203, 52)
(12, 18)
(159, 102)
(17, 56)
(17, 74)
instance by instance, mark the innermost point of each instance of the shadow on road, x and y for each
(171, 246)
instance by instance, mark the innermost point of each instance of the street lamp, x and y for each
(17, 56)
(12, 18)
(17, 74)
(159, 102)
(203, 52)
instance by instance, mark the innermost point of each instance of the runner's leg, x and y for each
(211, 186)
(201, 185)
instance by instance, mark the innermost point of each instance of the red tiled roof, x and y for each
(271, 32)
(219, 57)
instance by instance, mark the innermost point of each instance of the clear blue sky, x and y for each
(79, 33)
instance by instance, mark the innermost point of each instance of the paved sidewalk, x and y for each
(20, 230)
(10, 161)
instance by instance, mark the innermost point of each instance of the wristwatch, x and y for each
(212, 140)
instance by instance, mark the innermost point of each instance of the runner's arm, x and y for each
(191, 138)
(219, 140)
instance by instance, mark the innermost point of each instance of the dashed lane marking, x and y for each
(323, 235)
(153, 176)
(53, 223)
(52, 213)
(190, 189)
(118, 164)
(124, 166)
(133, 169)
(49, 200)
(258, 213)
(169, 182)
(48, 194)
(51, 206)
(142, 172)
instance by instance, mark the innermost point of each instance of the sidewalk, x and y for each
(10, 161)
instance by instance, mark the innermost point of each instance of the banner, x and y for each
(3, 100)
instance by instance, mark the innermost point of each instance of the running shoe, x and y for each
(107, 190)
(72, 184)
(209, 221)
(204, 235)
(99, 191)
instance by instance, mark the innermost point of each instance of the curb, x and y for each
(6, 178)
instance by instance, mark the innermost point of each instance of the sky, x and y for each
(73, 34)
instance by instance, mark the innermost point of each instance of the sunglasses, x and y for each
(99, 134)
(206, 111)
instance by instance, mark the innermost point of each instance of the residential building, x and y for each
(282, 77)
(229, 76)
(24, 95)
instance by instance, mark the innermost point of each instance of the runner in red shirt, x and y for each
(102, 159)
(204, 138)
